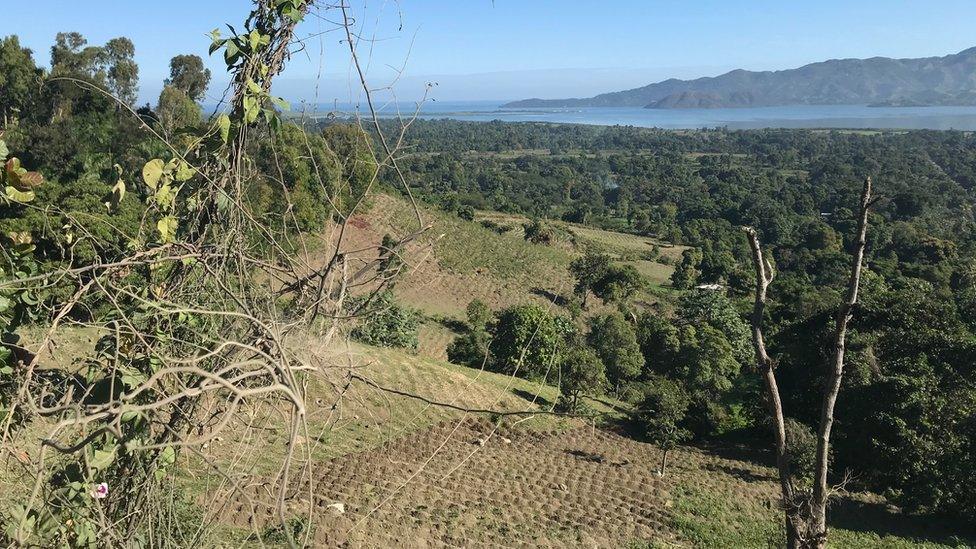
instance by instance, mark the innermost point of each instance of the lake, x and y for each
(797, 116)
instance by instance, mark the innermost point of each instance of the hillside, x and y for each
(464, 260)
(420, 475)
(948, 80)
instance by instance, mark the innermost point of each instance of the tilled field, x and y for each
(466, 484)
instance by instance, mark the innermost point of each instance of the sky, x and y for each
(513, 49)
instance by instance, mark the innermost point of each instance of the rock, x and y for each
(506, 440)
(336, 508)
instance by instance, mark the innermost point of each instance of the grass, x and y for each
(714, 518)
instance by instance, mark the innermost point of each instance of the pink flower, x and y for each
(100, 491)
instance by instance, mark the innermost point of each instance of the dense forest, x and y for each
(905, 423)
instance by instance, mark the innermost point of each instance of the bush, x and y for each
(479, 314)
(386, 323)
(537, 232)
(470, 349)
(466, 213)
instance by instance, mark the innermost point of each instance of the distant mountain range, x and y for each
(878, 81)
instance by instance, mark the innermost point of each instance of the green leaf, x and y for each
(184, 171)
(167, 228)
(152, 172)
(251, 109)
(19, 196)
(231, 52)
(103, 458)
(281, 103)
(130, 416)
(223, 122)
(167, 457)
(165, 197)
(132, 378)
(4, 151)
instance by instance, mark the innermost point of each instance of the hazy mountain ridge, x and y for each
(948, 80)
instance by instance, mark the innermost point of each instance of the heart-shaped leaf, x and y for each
(152, 172)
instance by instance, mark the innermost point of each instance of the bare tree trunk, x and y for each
(664, 462)
(806, 514)
(821, 492)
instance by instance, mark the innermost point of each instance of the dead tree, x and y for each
(806, 510)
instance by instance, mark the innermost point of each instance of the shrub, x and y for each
(386, 323)
(470, 349)
(479, 314)
(466, 213)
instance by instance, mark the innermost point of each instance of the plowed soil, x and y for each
(469, 484)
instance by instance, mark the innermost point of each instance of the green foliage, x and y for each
(539, 232)
(527, 341)
(466, 213)
(588, 269)
(801, 443)
(300, 173)
(686, 273)
(385, 323)
(715, 309)
(479, 314)
(19, 79)
(614, 341)
(176, 110)
(470, 349)
(187, 74)
(355, 163)
(619, 284)
(582, 373)
(660, 414)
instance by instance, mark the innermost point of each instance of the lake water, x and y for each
(798, 116)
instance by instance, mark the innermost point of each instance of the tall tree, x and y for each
(806, 510)
(187, 74)
(122, 71)
(19, 77)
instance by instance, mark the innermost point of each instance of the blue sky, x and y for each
(509, 49)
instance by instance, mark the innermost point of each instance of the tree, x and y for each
(588, 269)
(122, 73)
(175, 110)
(618, 284)
(715, 309)
(614, 341)
(526, 341)
(686, 273)
(583, 373)
(187, 74)
(806, 510)
(19, 78)
(660, 415)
